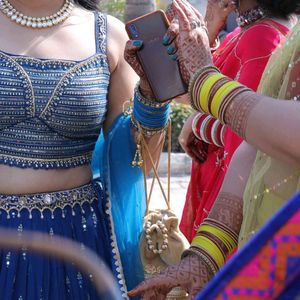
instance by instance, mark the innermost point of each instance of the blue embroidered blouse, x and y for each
(52, 111)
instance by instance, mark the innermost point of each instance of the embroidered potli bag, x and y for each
(161, 242)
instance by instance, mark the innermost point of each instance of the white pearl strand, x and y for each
(162, 228)
(36, 22)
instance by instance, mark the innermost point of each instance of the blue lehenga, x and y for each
(24, 275)
(51, 114)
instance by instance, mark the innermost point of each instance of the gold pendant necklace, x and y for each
(36, 22)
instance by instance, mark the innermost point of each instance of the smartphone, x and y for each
(162, 72)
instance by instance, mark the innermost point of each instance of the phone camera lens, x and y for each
(134, 31)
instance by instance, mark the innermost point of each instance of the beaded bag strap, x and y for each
(101, 32)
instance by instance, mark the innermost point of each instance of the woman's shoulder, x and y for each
(264, 31)
(261, 39)
(116, 28)
(116, 40)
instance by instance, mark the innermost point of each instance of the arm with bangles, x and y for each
(273, 131)
(198, 264)
(249, 115)
(122, 84)
(245, 112)
(252, 64)
(228, 206)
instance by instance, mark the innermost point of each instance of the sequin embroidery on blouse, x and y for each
(52, 111)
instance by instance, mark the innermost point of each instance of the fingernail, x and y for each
(171, 50)
(174, 57)
(137, 43)
(166, 40)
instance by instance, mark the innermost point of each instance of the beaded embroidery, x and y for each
(48, 201)
(52, 111)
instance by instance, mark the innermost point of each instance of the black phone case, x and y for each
(161, 71)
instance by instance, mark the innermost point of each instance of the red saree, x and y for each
(242, 56)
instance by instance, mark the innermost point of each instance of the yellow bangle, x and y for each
(222, 235)
(224, 240)
(220, 95)
(206, 88)
(211, 248)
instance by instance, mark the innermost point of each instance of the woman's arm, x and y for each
(123, 79)
(192, 272)
(270, 125)
(122, 83)
(228, 205)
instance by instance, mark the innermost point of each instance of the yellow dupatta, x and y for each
(271, 181)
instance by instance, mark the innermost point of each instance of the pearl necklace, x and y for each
(34, 22)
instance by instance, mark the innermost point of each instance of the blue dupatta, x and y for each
(126, 196)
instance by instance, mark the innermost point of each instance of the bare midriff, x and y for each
(15, 181)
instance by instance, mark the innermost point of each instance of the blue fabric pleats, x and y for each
(126, 194)
(24, 275)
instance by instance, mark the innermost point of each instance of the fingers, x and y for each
(192, 8)
(147, 287)
(140, 289)
(183, 19)
(196, 148)
(170, 12)
(172, 50)
(186, 8)
(130, 55)
(171, 33)
(156, 286)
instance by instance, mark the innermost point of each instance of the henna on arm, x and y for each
(238, 112)
(228, 209)
(191, 273)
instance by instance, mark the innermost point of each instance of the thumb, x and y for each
(130, 55)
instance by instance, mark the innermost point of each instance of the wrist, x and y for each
(145, 89)
(212, 93)
(203, 257)
(149, 116)
(238, 112)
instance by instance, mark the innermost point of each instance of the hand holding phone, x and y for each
(161, 71)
